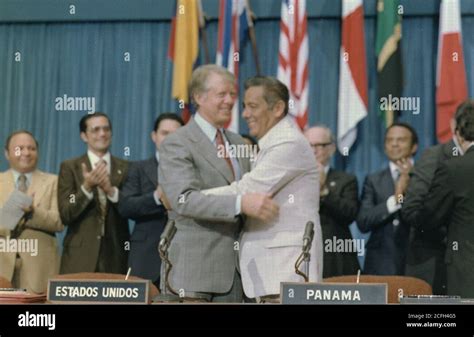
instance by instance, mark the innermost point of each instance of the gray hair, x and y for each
(198, 83)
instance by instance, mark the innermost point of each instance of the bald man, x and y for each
(338, 205)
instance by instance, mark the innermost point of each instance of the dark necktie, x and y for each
(220, 142)
(22, 183)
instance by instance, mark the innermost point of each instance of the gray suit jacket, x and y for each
(203, 250)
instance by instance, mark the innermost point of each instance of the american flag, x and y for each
(234, 21)
(293, 57)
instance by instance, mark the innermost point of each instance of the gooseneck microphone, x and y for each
(308, 236)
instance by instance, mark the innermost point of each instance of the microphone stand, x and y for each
(165, 241)
(305, 255)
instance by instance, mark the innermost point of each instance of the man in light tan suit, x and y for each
(285, 168)
(29, 268)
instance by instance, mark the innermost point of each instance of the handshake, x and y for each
(256, 205)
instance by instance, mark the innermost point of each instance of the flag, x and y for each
(353, 101)
(293, 57)
(389, 57)
(451, 84)
(185, 39)
(232, 29)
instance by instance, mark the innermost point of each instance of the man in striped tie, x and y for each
(88, 191)
(30, 269)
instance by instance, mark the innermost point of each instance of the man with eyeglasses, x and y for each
(338, 204)
(88, 191)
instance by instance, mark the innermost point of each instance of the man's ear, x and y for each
(7, 156)
(153, 136)
(83, 137)
(459, 138)
(198, 97)
(332, 149)
(414, 149)
(279, 109)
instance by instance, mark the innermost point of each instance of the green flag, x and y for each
(389, 58)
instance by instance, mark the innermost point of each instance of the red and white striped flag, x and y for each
(293, 57)
(353, 99)
(451, 83)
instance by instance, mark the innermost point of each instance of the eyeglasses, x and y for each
(319, 145)
(95, 130)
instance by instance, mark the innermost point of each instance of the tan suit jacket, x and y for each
(34, 271)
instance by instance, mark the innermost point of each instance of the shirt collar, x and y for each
(455, 140)
(93, 158)
(206, 127)
(16, 175)
(394, 168)
(157, 155)
(326, 169)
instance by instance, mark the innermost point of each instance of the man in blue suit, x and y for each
(140, 202)
(382, 197)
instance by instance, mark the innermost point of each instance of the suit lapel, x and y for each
(37, 185)
(388, 185)
(209, 151)
(233, 140)
(116, 171)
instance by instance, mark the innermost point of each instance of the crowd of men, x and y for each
(241, 215)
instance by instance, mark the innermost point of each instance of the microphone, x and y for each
(167, 235)
(308, 236)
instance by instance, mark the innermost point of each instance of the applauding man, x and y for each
(97, 236)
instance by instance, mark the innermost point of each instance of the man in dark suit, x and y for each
(97, 236)
(338, 206)
(451, 201)
(382, 196)
(140, 202)
(425, 257)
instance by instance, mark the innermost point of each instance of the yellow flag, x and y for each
(186, 45)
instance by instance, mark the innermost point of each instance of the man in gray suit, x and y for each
(203, 251)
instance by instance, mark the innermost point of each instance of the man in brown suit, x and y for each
(30, 268)
(88, 191)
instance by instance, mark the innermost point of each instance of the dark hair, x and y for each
(167, 115)
(84, 119)
(274, 90)
(252, 140)
(17, 132)
(414, 136)
(465, 120)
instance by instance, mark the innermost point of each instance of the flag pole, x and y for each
(202, 29)
(253, 39)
